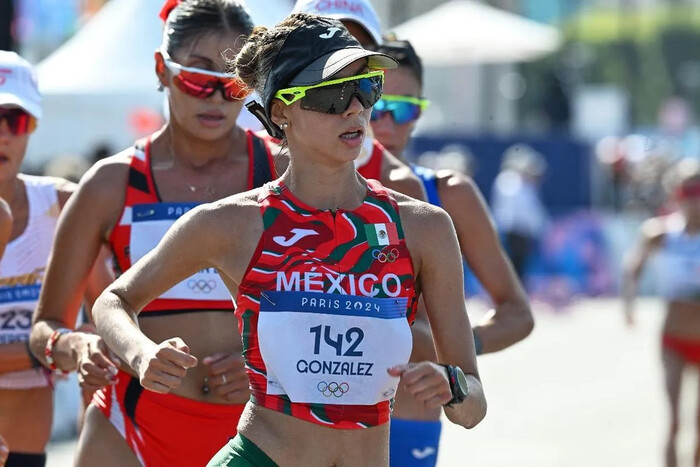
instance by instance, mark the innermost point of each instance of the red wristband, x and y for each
(48, 351)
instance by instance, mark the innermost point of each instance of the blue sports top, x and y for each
(430, 183)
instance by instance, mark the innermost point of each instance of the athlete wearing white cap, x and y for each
(358, 16)
(26, 398)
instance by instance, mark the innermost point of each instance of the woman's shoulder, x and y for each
(414, 210)
(234, 214)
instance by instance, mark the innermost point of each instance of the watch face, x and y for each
(462, 381)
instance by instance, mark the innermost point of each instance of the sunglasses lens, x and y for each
(18, 121)
(405, 112)
(235, 89)
(336, 98)
(202, 86)
(401, 112)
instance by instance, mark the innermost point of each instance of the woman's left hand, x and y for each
(426, 381)
(227, 376)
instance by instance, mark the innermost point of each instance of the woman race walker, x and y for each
(127, 202)
(324, 324)
(415, 429)
(26, 393)
(675, 240)
(374, 161)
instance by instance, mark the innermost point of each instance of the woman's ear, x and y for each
(161, 71)
(279, 112)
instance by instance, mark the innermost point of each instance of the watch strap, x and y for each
(457, 395)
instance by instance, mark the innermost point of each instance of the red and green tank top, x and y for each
(145, 218)
(324, 309)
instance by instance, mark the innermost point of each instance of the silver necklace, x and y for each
(209, 189)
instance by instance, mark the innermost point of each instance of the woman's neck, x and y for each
(9, 190)
(193, 152)
(324, 186)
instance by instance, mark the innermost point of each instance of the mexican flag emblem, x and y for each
(382, 234)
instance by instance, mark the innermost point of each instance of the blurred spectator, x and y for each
(517, 208)
(555, 104)
(71, 167)
(676, 133)
(99, 152)
(7, 16)
(633, 168)
(453, 157)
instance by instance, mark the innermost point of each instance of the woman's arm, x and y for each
(511, 319)
(652, 232)
(14, 356)
(82, 228)
(431, 237)
(196, 241)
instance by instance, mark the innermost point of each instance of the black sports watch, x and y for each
(458, 385)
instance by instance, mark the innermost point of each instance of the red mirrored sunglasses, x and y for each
(200, 83)
(18, 121)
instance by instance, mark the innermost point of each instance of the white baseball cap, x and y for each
(360, 11)
(18, 84)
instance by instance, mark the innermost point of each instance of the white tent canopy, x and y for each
(463, 31)
(112, 53)
(102, 78)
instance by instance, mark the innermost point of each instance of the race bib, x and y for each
(16, 309)
(149, 223)
(330, 348)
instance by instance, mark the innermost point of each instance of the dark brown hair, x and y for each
(192, 19)
(255, 60)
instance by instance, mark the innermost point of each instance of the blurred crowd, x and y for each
(634, 167)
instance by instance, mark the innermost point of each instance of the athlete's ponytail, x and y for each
(191, 19)
(254, 62)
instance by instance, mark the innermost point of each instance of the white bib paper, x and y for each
(17, 305)
(330, 348)
(149, 223)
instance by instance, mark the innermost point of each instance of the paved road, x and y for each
(582, 391)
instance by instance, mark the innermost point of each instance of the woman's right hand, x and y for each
(96, 367)
(162, 367)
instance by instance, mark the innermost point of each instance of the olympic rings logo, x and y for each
(200, 285)
(333, 389)
(389, 257)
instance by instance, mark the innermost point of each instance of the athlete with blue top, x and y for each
(415, 429)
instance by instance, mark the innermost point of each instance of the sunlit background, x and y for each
(601, 96)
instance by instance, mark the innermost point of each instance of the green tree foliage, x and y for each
(651, 52)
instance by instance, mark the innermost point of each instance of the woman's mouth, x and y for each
(352, 138)
(351, 134)
(211, 119)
